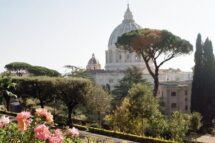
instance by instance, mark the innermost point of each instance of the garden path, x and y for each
(107, 139)
(206, 139)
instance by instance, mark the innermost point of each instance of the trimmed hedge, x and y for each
(8, 113)
(83, 128)
(125, 136)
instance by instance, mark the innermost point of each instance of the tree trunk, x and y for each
(69, 119)
(142, 126)
(7, 101)
(70, 109)
(8, 104)
(156, 82)
(99, 119)
(41, 103)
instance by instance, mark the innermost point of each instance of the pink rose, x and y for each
(57, 137)
(4, 121)
(42, 132)
(72, 132)
(49, 117)
(58, 132)
(42, 112)
(23, 120)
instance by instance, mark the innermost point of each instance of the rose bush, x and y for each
(35, 129)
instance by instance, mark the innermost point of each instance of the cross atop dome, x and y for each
(128, 24)
(128, 14)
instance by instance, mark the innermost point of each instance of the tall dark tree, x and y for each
(197, 84)
(209, 83)
(203, 87)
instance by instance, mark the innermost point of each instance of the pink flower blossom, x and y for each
(72, 132)
(58, 132)
(57, 137)
(49, 117)
(4, 121)
(42, 112)
(23, 120)
(42, 132)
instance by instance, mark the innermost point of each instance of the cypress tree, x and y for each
(203, 86)
(209, 83)
(197, 84)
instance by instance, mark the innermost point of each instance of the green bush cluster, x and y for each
(125, 136)
(80, 127)
(19, 67)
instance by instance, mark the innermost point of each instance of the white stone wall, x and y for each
(175, 96)
(120, 60)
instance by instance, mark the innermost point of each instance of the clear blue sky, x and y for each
(54, 33)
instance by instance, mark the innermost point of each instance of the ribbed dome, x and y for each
(127, 25)
(93, 60)
(93, 64)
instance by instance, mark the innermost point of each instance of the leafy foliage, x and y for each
(198, 77)
(41, 88)
(42, 71)
(136, 112)
(203, 90)
(7, 87)
(131, 76)
(72, 92)
(20, 68)
(97, 102)
(195, 121)
(77, 72)
(151, 44)
(179, 125)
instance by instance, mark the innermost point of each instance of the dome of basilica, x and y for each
(127, 25)
(93, 64)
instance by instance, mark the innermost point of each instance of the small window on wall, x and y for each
(137, 58)
(173, 105)
(173, 93)
(186, 92)
(186, 107)
(110, 80)
(120, 57)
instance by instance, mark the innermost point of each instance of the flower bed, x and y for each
(35, 129)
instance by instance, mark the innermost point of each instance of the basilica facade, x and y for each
(118, 60)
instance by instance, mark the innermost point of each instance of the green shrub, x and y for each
(83, 128)
(125, 136)
(132, 137)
